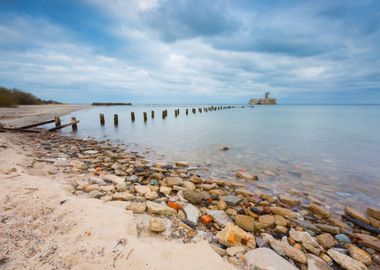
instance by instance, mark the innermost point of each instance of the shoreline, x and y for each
(192, 208)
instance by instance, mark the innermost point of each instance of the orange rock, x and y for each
(174, 205)
(206, 219)
(231, 238)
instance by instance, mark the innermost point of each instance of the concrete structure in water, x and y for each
(267, 100)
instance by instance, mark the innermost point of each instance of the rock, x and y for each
(284, 249)
(220, 217)
(319, 210)
(208, 187)
(221, 252)
(232, 251)
(267, 221)
(224, 148)
(192, 214)
(142, 189)
(283, 212)
(232, 235)
(232, 200)
(326, 258)
(188, 185)
(221, 205)
(245, 222)
(160, 209)
(114, 179)
(343, 238)
(316, 263)
(206, 219)
(77, 164)
(173, 181)
(307, 240)
(373, 213)
(137, 207)
(133, 178)
(281, 221)
(326, 240)
(345, 261)
(289, 200)
(182, 164)
(121, 187)
(96, 194)
(156, 226)
(123, 196)
(328, 228)
(92, 187)
(265, 258)
(193, 196)
(151, 195)
(307, 225)
(281, 229)
(368, 241)
(359, 254)
(165, 190)
(246, 176)
(356, 214)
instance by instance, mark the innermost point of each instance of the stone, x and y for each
(245, 222)
(220, 251)
(316, 263)
(121, 187)
(224, 148)
(96, 194)
(159, 209)
(92, 187)
(142, 189)
(193, 196)
(284, 249)
(188, 185)
(373, 213)
(326, 240)
(289, 200)
(206, 219)
(307, 225)
(192, 214)
(246, 176)
(77, 164)
(220, 217)
(232, 235)
(232, 200)
(208, 187)
(221, 205)
(356, 214)
(359, 254)
(287, 213)
(173, 181)
(328, 228)
(368, 241)
(156, 226)
(151, 195)
(267, 221)
(137, 207)
(326, 258)
(133, 178)
(346, 262)
(343, 238)
(165, 190)
(281, 221)
(319, 210)
(232, 251)
(114, 179)
(123, 196)
(182, 164)
(265, 258)
(307, 240)
(281, 229)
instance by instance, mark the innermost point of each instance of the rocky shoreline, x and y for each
(249, 230)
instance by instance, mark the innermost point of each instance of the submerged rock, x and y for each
(319, 210)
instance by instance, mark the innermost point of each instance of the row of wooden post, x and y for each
(165, 113)
(73, 124)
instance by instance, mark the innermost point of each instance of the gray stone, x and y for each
(193, 196)
(265, 258)
(114, 179)
(346, 262)
(316, 263)
(343, 238)
(232, 200)
(192, 214)
(220, 217)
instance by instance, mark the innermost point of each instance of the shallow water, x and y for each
(331, 151)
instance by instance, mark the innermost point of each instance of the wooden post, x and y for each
(152, 114)
(200, 110)
(74, 124)
(133, 116)
(175, 113)
(194, 111)
(57, 121)
(163, 114)
(145, 117)
(102, 122)
(187, 111)
(116, 119)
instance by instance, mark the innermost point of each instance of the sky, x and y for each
(192, 51)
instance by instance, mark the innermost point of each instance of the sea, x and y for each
(331, 152)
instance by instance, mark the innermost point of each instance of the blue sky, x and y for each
(192, 51)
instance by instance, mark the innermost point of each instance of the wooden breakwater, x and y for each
(111, 104)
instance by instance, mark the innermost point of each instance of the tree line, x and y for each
(15, 97)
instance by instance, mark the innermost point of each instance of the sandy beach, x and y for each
(69, 203)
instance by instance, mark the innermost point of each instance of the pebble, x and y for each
(368, 241)
(182, 164)
(283, 212)
(287, 199)
(232, 200)
(195, 197)
(245, 222)
(232, 235)
(316, 263)
(267, 221)
(121, 187)
(142, 189)
(156, 226)
(188, 185)
(345, 261)
(221, 205)
(343, 238)
(281, 229)
(265, 258)
(220, 217)
(328, 228)
(114, 179)
(373, 213)
(356, 214)
(137, 207)
(359, 254)
(246, 176)
(319, 210)
(326, 240)
(284, 249)
(232, 251)
(192, 214)
(166, 190)
(151, 195)
(159, 209)
(173, 181)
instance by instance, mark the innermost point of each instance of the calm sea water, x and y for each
(330, 151)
